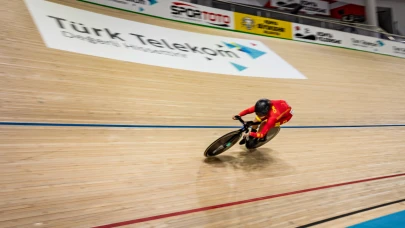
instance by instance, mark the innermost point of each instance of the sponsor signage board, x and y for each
(289, 4)
(262, 26)
(315, 7)
(309, 6)
(330, 37)
(398, 49)
(70, 29)
(366, 43)
(175, 10)
(197, 14)
(318, 35)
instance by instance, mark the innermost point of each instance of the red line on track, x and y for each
(242, 202)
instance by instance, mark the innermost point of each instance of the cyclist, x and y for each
(272, 113)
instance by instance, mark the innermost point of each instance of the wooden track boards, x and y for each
(87, 176)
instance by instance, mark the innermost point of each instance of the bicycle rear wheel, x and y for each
(222, 144)
(270, 135)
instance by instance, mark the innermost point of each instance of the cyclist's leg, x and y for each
(260, 129)
(262, 125)
(254, 129)
(257, 119)
(283, 120)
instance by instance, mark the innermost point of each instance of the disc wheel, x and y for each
(270, 135)
(218, 146)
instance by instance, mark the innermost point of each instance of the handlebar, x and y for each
(240, 119)
(246, 124)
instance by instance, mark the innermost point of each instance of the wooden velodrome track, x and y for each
(59, 176)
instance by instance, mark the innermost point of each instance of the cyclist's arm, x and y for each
(247, 111)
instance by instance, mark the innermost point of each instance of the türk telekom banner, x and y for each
(176, 10)
(309, 6)
(70, 29)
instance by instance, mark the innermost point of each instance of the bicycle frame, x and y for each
(246, 125)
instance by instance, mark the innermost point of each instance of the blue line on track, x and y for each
(176, 126)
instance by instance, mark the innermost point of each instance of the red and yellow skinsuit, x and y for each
(279, 114)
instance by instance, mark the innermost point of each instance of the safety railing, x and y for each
(356, 28)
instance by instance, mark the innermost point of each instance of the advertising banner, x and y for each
(262, 26)
(330, 37)
(70, 29)
(315, 7)
(366, 43)
(175, 10)
(309, 6)
(397, 49)
(216, 18)
(318, 35)
(260, 3)
(289, 4)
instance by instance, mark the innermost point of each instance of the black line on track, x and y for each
(351, 213)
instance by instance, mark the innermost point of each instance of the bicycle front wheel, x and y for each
(222, 144)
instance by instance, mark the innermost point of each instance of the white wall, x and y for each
(398, 12)
(397, 6)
